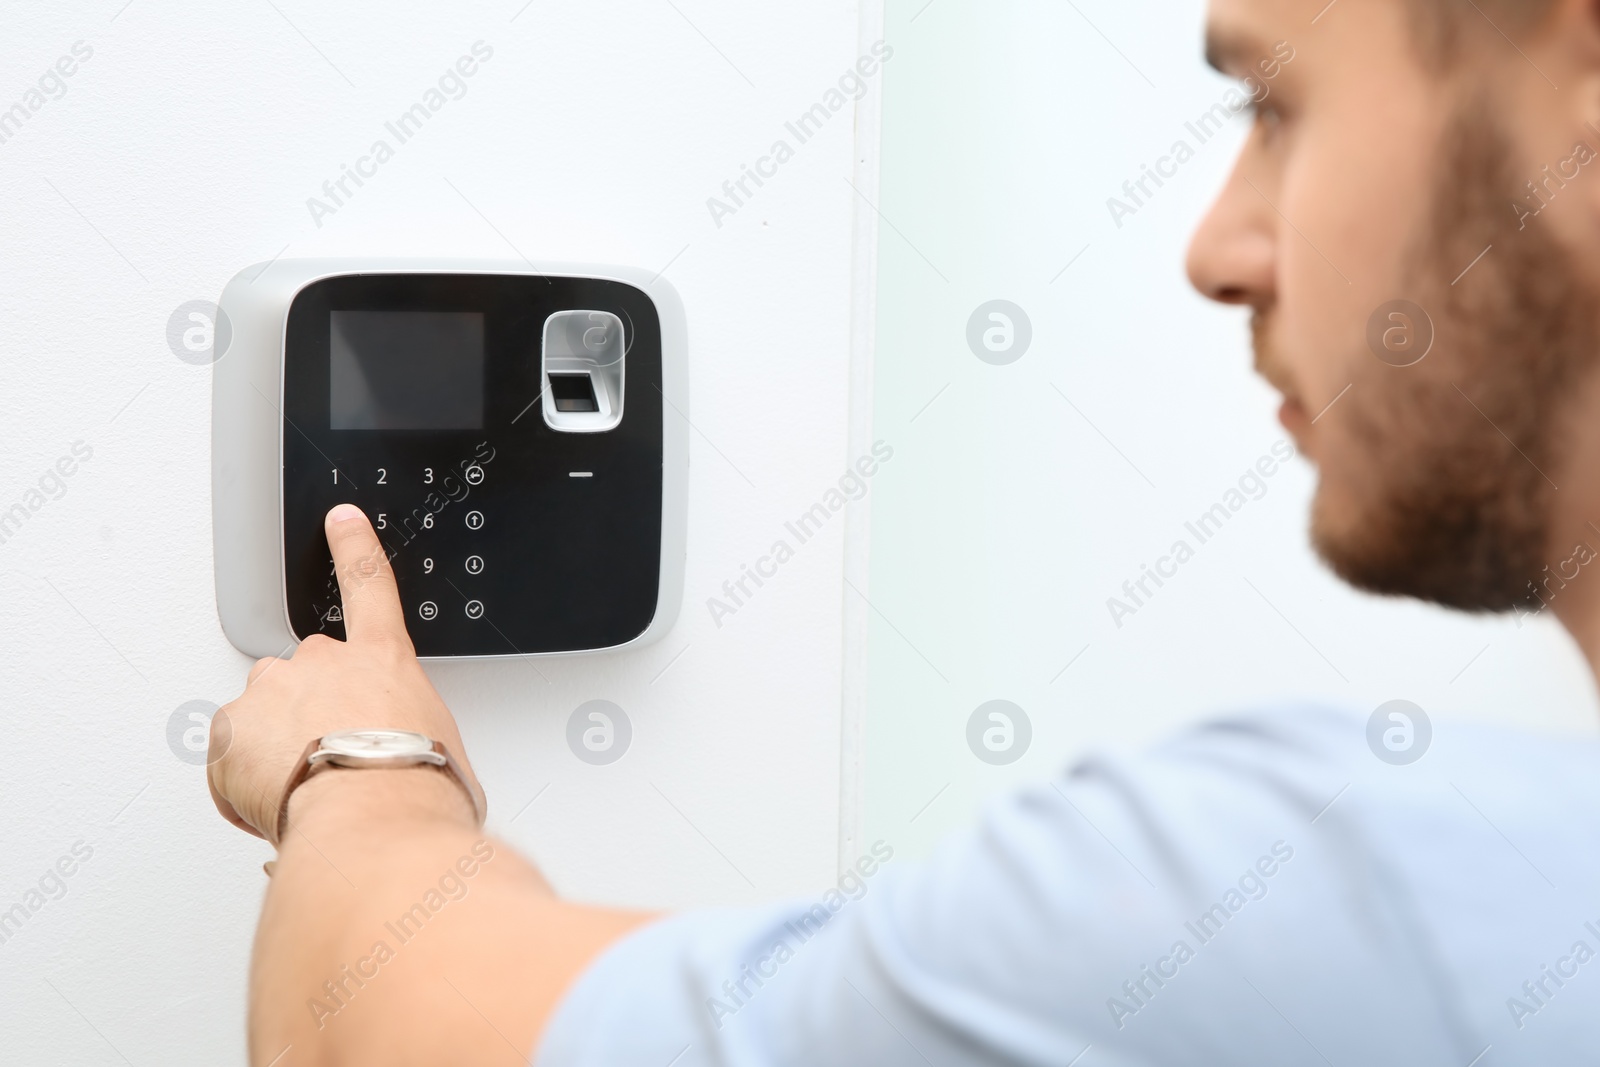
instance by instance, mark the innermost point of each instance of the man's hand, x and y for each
(487, 970)
(372, 679)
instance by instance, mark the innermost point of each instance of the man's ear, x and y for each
(1577, 23)
(1546, 70)
(1566, 32)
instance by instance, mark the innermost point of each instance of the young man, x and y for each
(1263, 890)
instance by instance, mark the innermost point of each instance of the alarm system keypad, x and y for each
(417, 398)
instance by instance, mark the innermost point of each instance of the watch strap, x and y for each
(480, 803)
(297, 776)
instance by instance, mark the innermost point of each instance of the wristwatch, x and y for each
(373, 749)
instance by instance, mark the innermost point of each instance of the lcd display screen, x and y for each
(406, 370)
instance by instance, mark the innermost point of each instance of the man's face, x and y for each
(1373, 178)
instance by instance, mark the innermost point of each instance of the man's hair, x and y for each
(1441, 26)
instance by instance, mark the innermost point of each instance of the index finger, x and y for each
(366, 582)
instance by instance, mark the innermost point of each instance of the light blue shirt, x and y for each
(1260, 890)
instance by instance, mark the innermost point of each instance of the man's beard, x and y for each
(1446, 465)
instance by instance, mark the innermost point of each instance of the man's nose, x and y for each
(1233, 255)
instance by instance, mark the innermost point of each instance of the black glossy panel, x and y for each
(497, 548)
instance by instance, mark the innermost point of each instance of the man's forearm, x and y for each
(394, 932)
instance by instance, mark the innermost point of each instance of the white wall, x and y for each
(1007, 519)
(185, 149)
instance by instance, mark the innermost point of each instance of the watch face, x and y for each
(377, 744)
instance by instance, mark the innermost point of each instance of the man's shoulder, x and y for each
(1295, 826)
(1390, 747)
(1304, 761)
(1342, 783)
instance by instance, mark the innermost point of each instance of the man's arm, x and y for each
(394, 932)
(376, 946)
